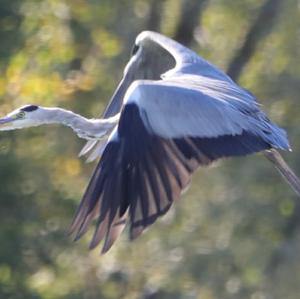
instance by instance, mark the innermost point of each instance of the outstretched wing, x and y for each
(165, 132)
(187, 61)
(163, 57)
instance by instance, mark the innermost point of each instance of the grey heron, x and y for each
(172, 112)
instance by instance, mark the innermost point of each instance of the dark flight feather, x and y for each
(140, 175)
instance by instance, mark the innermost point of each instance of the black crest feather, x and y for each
(29, 108)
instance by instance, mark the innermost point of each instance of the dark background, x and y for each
(234, 234)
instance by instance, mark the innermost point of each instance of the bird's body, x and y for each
(172, 112)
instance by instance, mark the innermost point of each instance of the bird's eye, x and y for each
(21, 115)
(134, 49)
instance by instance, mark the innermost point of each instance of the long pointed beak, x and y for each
(5, 120)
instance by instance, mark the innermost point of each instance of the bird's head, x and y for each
(24, 117)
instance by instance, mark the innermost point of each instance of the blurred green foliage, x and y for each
(234, 234)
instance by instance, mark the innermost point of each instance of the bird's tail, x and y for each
(287, 173)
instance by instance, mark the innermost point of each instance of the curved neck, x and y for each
(83, 127)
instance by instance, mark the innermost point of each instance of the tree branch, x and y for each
(189, 19)
(155, 14)
(259, 29)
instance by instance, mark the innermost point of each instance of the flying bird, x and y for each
(172, 112)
